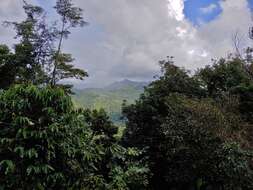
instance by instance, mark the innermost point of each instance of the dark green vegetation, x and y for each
(46, 144)
(196, 130)
(185, 131)
(110, 98)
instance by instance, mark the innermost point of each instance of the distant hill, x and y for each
(109, 98)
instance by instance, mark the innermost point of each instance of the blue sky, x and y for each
(199, 11)
(251, 4)
(194, 10)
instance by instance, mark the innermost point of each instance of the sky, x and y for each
(125, 39)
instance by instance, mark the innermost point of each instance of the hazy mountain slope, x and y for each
(109, 98)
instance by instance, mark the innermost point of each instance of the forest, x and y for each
(186, 131)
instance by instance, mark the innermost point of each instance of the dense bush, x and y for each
(46, 144)
(193, 140)
(43, 142)
(119, 167)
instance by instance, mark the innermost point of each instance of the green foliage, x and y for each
(31, 54)
(193, 139)
(71, 16)
(233, 77)
(46, 144)
(225, 75)
(7, 69)
(35, 59)
(120, 168)
(196, 148)
(43, 143)
(65, 70)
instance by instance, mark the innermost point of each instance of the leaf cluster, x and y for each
(195, 127)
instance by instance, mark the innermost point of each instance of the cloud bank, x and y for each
(127, 38)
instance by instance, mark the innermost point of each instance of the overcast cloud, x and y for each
(127, 38)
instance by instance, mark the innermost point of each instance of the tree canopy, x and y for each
(187, 131)
(193, 127)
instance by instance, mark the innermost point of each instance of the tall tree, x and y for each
(36, 59)
(34, 47)
(71, 17)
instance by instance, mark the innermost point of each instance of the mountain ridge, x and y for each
(109, 98)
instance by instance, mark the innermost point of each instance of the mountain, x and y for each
(109, 98)
(124, 84)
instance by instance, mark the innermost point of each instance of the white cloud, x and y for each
(127, 38)
(235, 17)
(10, 10)
(138, 34)
(209, 9)
(176, 8)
